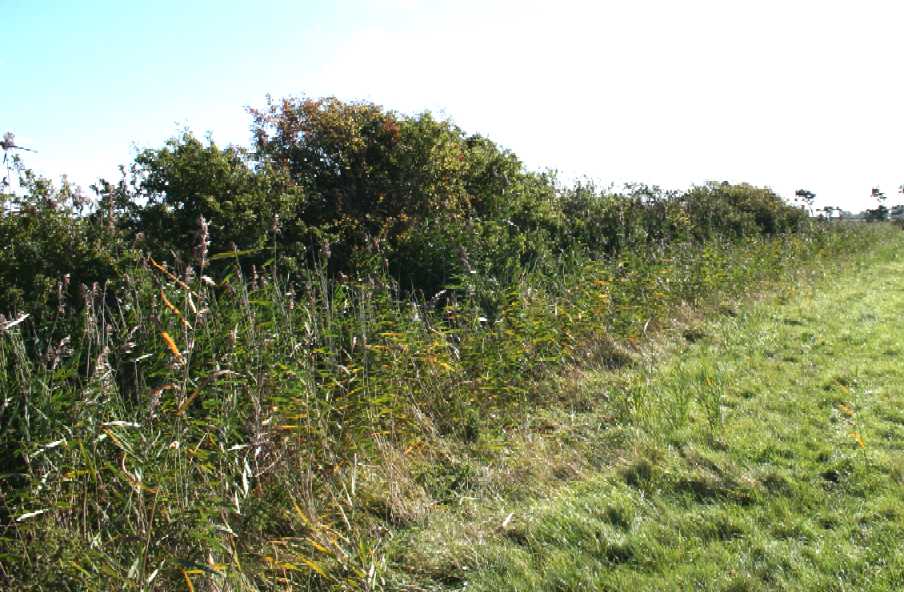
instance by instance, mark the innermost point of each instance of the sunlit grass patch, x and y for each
(794, 483)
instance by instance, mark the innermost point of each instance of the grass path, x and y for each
(767, 455)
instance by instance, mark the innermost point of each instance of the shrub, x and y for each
(187, 180)
(51, 244)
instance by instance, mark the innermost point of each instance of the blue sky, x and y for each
(786, 94)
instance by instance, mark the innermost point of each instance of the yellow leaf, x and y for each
(314, 567)
(318, 546)
(188, 583)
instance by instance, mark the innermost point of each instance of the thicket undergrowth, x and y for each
(236, 370)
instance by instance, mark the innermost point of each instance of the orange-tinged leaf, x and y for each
(167, 273)
(172, 308)
(188, 583)
(171, 345)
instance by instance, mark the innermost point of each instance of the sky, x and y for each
(786, 94)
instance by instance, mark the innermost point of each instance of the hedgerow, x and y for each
(201, 372)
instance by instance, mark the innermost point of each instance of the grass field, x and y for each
(717, 418)
(760, 451)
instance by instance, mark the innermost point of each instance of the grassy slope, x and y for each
(735, 464)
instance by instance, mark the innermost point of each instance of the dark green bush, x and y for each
(239, 431)
(418, 191)
(246, 209)
(365, 190)
(52, 244)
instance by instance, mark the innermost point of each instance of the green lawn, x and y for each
(766, 454)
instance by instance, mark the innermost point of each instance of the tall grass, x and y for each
(263, 431)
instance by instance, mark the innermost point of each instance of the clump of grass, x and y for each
(772, 493)
(251, 370)
(259, 431)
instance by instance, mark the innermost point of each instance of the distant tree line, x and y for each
(805, 198)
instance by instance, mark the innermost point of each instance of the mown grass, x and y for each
(765, 454)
